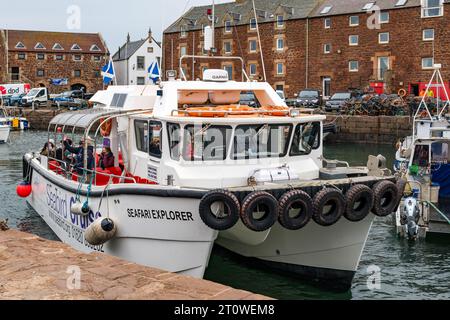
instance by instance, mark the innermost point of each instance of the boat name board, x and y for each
(160, 214)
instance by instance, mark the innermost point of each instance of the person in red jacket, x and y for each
(106, 158)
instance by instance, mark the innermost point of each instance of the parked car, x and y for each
(35, 97)
(15, 100)
(309, 98)
(249, 99)
(337, 101)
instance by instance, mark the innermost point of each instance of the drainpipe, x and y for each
(307, 53)
(7, 55)
(193, 54)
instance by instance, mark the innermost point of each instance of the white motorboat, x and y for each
(4, 132)
(12, 121)
(423, 161)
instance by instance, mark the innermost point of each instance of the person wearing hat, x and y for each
(79, 155)
(49, 149)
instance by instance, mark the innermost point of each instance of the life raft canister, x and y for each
(295, 210)
(219, 210)
(328, 206)
(386, 197)
(259, 211)
(359, 202)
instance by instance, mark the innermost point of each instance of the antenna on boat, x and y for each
(259, 41)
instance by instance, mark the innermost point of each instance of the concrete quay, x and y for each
(32, 268)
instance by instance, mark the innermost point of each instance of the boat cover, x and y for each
(84, 118)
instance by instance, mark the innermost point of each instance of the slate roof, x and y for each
(126, 51)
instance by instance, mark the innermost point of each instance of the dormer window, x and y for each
(432, 8)
(401, 3)
(57, 46)
(95, 48)
(228, 26)
(326, 9)
(252, 24)
(261, 13)
(280, 21)
(76, 47)
(39, 46)
(368, 6)
(183, 33)
(20, 45)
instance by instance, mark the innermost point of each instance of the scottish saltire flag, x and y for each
(108, 72)
(59, 82)
(153, 71)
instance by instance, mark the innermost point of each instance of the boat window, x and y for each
(421, 155)
(141, 132)
(261, 141)
(306, 139)
(206, 142)
(174, 135)
(119, 100)
(154, 138)
(439, 153)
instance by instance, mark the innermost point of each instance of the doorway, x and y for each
(326, 86)
(414, 89)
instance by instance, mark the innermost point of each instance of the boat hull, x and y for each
(4, 134)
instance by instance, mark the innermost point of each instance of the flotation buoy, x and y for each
(24, 189)
(359, 202)
(277, 111)
(385, 198)
(219, 210)
(294, 210)
(259, 211)
(328, 206)
(402, 93)
(80, 209)
(100, 231)
(105, 128)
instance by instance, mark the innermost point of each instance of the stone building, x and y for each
(57, 60)
(332, 45)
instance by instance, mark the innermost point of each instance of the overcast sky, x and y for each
(112, 18)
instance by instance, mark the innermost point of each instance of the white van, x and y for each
(36, 97)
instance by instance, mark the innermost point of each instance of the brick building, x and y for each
(57, 60)
(333, 45)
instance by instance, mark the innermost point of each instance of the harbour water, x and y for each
(408, 270)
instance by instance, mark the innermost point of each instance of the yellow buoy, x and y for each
(15, 123)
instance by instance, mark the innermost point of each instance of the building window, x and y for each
(183, 51)
(384, 17)
(401, 3)
(427, 63)
(383, 66)
(327, 48)
(77, 73)
(183, 33)
(368, 6)
(326, 9)
(327, 23)
(77, 57)
(280, 68)
(57, 46)
(140, 81)
(253, 46)
(280, 44)
(21, 56)
(353, 66)
(383, 37)
(228, 28)
(280, 21)
(39, 46)
(40, 56)
(75, 47)
(140, 63)
(95, 48)
(252, 69)
(20, 45)
(59, 57)
(97, 58)
(252, 24)
(40, 73)
(227, 47)
(432, 8)
(229, 69)
(428, 35)
(353, 40)
(354, 21)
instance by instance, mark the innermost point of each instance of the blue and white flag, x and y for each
(108, 72)
(59, 82)
(153, 71)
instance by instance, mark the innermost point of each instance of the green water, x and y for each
(418, 270)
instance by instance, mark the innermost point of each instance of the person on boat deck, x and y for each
(430, 93)
(106, 158)
(49, 149)
(79, 155)
(422, 93)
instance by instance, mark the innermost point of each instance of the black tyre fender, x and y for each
(385, 198)
(328, 196)
(231, 206)
(267, 202)
(299, 200)
(362, 197)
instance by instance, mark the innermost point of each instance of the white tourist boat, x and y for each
(423, 161)
(193, 167)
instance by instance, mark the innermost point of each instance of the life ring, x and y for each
(299, 202)
(259, 202)
(402, 93)
(214, 201)
(385, 198)
(106, 127)
(328, 207)
(276, 111)
(359, 202)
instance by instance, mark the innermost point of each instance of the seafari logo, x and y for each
(57, 201)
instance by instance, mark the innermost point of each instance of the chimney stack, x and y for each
(128, 38)
(150, 36)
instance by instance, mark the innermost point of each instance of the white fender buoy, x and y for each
(100, 231)
(80, 209)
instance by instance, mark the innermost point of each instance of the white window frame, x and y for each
(401, 3)
(225, 47)
(39, 46)
(388, 38)
(228, 26)
(388, 17)
(250, 69)
(282, 68)
(350, 40)
(426, 10)
(325, 50)
(278, 44)
(181, 51)
(57, 46)
(432, 63)
(250, 46)
(280, 25)
(353, 24)
(424, 38)
(20, 45)
(368, 5)
(350, 66)
(37, 56)
(75, 47)
(379, 68)
(250, 23)
(77, 60)
(183, 33)
(95, 48)
(327, 25)
(326, 9)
